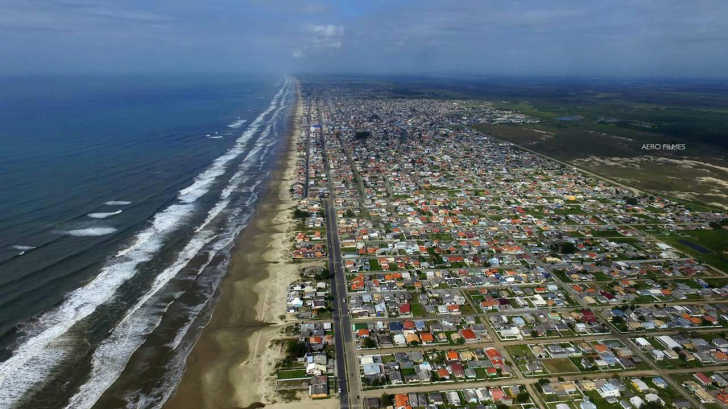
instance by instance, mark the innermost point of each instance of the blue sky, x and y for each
(675, 38)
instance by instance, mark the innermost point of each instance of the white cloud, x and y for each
(321, 38)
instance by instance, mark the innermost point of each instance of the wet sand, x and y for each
(227, 365)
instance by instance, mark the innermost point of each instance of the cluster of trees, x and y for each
(719, 224)
(296, 348)
(564, 247)
(302, 214)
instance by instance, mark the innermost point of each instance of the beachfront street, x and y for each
(347, 367)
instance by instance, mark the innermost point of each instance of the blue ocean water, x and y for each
(121, 196)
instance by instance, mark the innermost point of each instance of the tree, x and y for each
(717, 225)
(568, 247)
(522, 397)
(297, 348)
(349, 213)
(300, 214)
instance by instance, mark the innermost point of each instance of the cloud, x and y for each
(321, 38)
(128, 15)
(559, 37)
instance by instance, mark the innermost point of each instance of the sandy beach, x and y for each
(226, 366)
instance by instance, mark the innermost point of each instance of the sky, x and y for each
(654, 38)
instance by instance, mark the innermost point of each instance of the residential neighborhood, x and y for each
(469, 272)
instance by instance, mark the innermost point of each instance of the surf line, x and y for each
(33, 361)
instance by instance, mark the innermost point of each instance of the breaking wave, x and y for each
(117, 203)
(37, 356)
(103, 215)
(91, 231)
(237, 124)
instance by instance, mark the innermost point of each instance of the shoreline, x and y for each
(225, 367)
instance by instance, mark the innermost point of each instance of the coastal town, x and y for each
(446, 268)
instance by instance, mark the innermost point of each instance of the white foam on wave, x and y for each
(237, 124)
(215, 137)
(91, 231)
(175, 369)
(32, 361)
(113, 354)
(117, 203)
(203, 181)
(23, 248)
(103, 215)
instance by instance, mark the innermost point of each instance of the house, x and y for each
(319, 387)
(372, 403)
(457, 370)
(640, 385)
(315, 369)
(469, 336)
(702, 378)
(496, 394)
(435, 398)
(427, 338)
(585, 404)
(401, 401)
(371, 369)
(453, 398)
(636, 401)
(608, 390)
(470, 396)
(659, 382)
(652, 397)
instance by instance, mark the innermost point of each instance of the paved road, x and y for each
(444, 386)
(338, 310)
(347, 365)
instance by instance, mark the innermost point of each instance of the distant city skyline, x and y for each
(649, 38)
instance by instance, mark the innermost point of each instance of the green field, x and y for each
(557, 366)
(714, 241)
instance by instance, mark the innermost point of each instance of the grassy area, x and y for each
(417, 309)
(518, 351)
(292, 374)
(557, 366)
(580, 142)
(709, 246)
(605, 233)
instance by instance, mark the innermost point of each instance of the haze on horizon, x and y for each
(652, 38)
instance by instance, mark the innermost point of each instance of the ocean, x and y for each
(121, 197)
